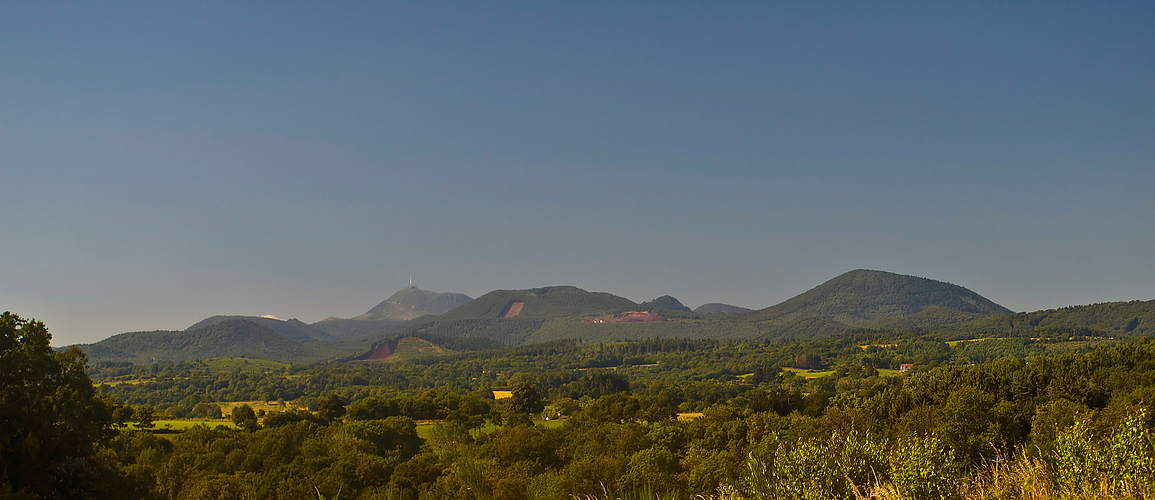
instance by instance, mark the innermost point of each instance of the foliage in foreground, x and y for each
(1120, 466)
(51, 418)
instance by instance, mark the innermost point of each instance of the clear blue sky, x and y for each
(163, 162)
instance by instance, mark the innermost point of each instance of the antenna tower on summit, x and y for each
(410, 281)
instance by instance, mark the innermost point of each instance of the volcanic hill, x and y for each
(859, 297)
(230, 337)
(720, 308)
(413, 302)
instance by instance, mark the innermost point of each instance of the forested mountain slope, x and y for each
(1136, 317)
(406, 308)
(862, 296)
(517, 317)
(350, 329)
(292, 328)
(719, 308)
(232, 337)
(665, 302)
(548, 302)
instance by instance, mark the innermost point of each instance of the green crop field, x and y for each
(808, 373)
(114, 383)
(246, 365)
(180, 425)
(425, 429)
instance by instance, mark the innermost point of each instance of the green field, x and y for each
(425, 430)
(180, 425)
(808, 373)
(228, 406)
(246, 365)
(410, 348)
(882, 372)
(114, 383)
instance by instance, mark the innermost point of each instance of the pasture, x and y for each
(805, 373)
(181, 425)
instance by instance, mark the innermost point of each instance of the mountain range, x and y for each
(275, 339)
(854, 300)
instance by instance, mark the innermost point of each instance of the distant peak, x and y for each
(720, 308)
(665, 302)
(411, 302)
(864, 295)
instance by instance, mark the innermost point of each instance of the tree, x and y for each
(51, 417)
(331, 408)
(523, 402)
(144, 416)
(652, 468)
(245, 418)
(206, 410)
(121, 415)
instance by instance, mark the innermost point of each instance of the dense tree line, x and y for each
(929, 435)
(178, 387)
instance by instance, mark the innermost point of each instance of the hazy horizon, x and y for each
(166, 163)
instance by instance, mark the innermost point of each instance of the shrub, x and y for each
(924, 468)
(814, 468)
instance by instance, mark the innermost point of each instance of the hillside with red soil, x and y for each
(627, 317)
(513, 309)
(399, 350)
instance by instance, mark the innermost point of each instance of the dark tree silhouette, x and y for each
(332, 408)
(50, 415)
(144, 416)
(525, 399)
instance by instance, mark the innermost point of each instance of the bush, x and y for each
(1124, 462)
(924, 468)
(206, 410)
(814, 468)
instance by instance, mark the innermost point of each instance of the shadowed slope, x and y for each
(861, 296)
(719, 308)
(291, 328)
(545, 302)
(233, 337)
(1136, 317)
(665, 302)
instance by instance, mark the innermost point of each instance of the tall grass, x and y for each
(1119, 466)
(644, 492)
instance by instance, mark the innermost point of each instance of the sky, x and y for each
(168, 161)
